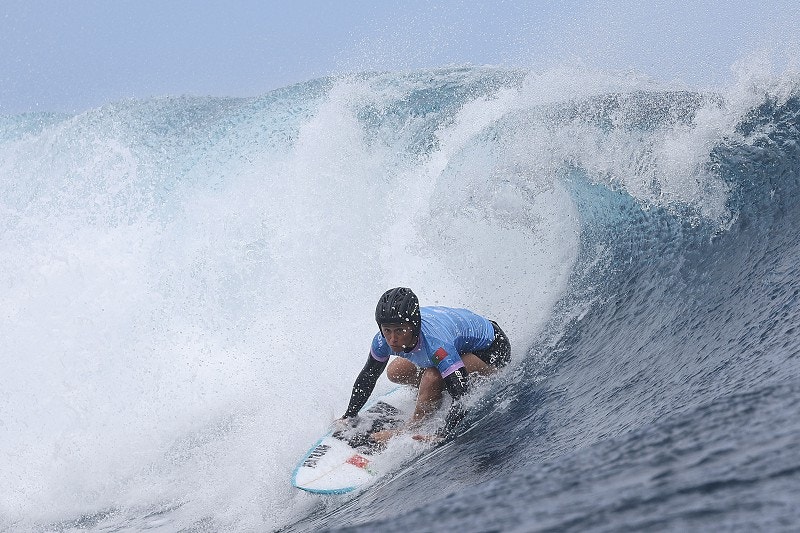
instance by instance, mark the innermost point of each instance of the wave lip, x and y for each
(660, 394)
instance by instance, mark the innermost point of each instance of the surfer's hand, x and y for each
(382, 437)
(345, 423)
(430, 439)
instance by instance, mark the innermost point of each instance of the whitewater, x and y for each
(187, 288)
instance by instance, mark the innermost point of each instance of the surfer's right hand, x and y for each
(382, 437)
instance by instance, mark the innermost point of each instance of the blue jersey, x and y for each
(446, 333)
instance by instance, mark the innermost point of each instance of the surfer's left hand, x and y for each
(430, 439)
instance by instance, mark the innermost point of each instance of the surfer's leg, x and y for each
(497, 354)
(431, 384)
(431, 387)
(404, 372)
(476, 365)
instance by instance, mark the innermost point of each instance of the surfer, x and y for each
(438, 348)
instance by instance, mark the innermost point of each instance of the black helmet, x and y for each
(397, 306)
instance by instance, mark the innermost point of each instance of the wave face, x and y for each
(188, 287)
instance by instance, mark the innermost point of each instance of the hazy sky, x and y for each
(61, 55)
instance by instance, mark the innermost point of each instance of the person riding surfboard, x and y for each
(437, 348)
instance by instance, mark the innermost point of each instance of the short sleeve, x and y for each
(446, 359)
(380, 350)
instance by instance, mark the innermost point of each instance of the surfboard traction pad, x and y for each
(378, 417)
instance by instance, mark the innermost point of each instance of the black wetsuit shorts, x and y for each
(499, 352)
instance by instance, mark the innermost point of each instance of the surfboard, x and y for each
(343, 461)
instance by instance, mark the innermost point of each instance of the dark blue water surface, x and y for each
(671, 403)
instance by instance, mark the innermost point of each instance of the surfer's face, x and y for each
(399, 336)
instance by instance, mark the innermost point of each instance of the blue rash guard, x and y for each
(445, 334)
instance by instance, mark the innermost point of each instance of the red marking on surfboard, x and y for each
(359, 461)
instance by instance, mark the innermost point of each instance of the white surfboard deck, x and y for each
(341, 462)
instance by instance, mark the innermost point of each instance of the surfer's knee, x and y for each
(403, 372)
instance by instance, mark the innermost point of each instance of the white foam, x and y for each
(177, 331)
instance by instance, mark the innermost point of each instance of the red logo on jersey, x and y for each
(439, 355)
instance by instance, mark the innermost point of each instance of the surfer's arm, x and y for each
(364, 385)
(456, 383)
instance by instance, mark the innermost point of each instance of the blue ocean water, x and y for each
(188, 288)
